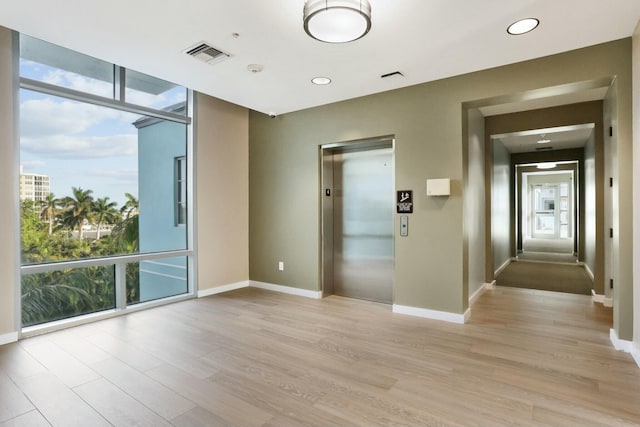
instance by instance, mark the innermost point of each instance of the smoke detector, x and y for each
(206, 53)
(255, 68)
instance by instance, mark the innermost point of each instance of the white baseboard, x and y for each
(432, 314)
(9, 338)
(502, 267)
(224, 288)
(624, 345)
(588, 270)
(635, 352)
(477, 294)
(607, 302)
(287, 289)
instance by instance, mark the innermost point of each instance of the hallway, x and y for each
(548, 276)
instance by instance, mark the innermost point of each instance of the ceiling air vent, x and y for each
(392, 74)
(206, 53)
(544, 148)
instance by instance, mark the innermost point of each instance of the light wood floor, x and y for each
(255, 358)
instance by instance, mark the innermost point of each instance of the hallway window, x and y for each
(102, 234)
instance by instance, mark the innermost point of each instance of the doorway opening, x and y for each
(547, 217)
(358, 219)
(550, 193)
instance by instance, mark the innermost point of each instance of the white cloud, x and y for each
(32, 164)
(79, 82)
(81, 147)
(47, 116)
(159, 101)
(126, 175)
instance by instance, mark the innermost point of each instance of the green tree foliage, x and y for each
(103, 212)
(49, 210)
(130, 207)
(66, 293)
(78, 208)
(52, 231)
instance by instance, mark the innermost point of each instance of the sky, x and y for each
(81, 145)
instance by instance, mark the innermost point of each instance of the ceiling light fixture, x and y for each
(321, 81)
(548, 165)
(543, 140)
(523, 26)
(337, 21)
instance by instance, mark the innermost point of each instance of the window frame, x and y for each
(180, 173)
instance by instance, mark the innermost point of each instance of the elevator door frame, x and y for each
(326, 153)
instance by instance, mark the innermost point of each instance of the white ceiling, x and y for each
(424, 39)
(561, 138)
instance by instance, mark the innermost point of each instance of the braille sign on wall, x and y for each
(405, 201)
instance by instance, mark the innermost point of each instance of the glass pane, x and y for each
(90, 156)
(61, 294)
(564, 189)
(545, 224)
(110, 181)
(564, 231)
(141, 89)
(133, 283)
(58, 66)
(162, 278)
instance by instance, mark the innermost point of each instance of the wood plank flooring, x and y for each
(261, 359)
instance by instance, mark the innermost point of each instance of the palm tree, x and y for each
(130, 207)
(79, 208)
(104, 211)
(49, 210)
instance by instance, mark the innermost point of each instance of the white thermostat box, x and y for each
(439, 187)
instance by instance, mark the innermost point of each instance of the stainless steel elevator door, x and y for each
(363, 224)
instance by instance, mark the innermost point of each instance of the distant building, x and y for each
(33, 186)
(162, 203)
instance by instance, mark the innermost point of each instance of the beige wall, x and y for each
(474, 203)
(9, 262)
(501, 244)
(222, 193)
(590, 205)
(427, 122)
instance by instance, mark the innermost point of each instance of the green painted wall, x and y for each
(427, 122)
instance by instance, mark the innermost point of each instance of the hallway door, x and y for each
(544, 204)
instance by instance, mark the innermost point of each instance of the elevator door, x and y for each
(363, 224)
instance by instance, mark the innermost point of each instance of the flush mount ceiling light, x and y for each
(543, 140)
(321, 81)
(548, 165)
(337, 21)
(523, 26)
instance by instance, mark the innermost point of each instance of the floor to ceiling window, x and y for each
(104, 186)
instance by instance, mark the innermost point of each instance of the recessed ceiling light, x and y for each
(321, 81)
(523, 26)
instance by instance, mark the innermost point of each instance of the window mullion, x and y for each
(49, 89)
(121, 285)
